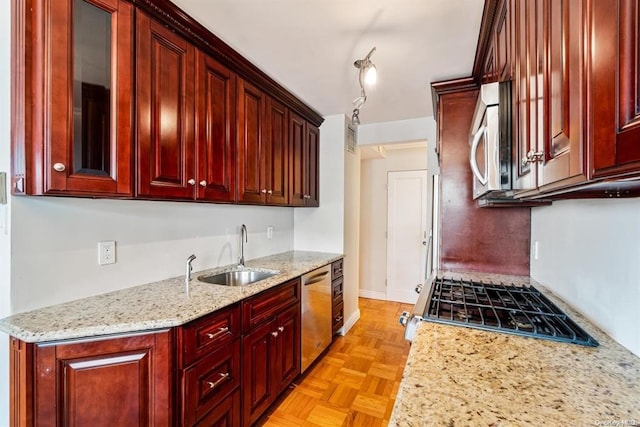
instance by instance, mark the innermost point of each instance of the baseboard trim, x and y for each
(350, 322)
(366, 293)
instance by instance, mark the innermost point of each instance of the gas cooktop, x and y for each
(520, 310)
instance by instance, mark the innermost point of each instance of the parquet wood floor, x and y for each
(356, 382)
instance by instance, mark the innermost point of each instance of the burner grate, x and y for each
(520, 310)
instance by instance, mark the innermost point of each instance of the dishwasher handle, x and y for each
(315, 278)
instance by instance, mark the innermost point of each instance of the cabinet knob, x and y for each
(59, 167)
(203, 183)
(213, 384)
(274, 333)
(270, 192)
(533, 157)
(306, 196)
(264, 191)
(281, 328)
(191, 182)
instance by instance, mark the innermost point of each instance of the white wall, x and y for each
(351, 237)
(5, 229)
(373, 217)
(54, 254)
(589, 255)
(420, 129)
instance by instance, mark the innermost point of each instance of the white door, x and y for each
(406, 234)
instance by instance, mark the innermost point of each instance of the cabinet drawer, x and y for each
(261, 307)
(336, 269)
(337, 288)
(226, 413)
(206, 334)
(338, 316)
(209, 381)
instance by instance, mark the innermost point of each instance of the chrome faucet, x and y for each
(243, 239)
(187, 273)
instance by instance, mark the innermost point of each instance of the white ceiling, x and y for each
(309, 47)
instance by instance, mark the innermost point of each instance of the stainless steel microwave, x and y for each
(490, 140)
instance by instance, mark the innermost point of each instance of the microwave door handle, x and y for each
(473, 156)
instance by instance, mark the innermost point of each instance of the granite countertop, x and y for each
(155, 305)
(458, 376)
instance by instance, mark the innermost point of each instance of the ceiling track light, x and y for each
(367, 76)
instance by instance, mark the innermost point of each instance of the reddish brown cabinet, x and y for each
(72, 98)
(270, 347)
(614, 88)
(215, 130)
(208, 368)
(123, 380)
(263, 147)
(337, 296)
(304, 158)
(165, 111)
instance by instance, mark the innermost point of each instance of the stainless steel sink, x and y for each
(237, 277)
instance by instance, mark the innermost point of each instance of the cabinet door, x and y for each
(251, 113)
(276, 154)
(258, 362)
(297, 136)
(73, 84)
(614, 87)
(311, 168)
(215, 130)
(503, 42)
(287, 347)
(115, 382)
(165, 100)
(562, 142)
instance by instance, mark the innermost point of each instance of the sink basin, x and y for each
(237, 277)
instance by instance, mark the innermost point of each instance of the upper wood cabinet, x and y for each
(263, 147)
(118, 381)
(304, 160)
(189, 129)
(548, 99)
(614, 88)
(215, 130)
(72, 97)
(165, 103)
(186, 114)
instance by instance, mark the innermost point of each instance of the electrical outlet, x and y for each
(269, 232)
(107, 252)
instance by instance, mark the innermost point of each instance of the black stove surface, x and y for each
(520, 310)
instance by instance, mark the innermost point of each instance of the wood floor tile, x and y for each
(356, 382)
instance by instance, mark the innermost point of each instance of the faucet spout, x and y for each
(187, 273)
(243, 239)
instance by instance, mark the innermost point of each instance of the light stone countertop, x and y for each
(155, 305)
(458, 376)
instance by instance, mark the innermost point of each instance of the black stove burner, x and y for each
(503, 308)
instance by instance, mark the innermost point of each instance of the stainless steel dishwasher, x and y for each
(316, 314)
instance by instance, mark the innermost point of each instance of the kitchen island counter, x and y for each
(155, 305)
(469, 377)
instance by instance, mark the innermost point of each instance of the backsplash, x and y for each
(55, 241)
(588, 254)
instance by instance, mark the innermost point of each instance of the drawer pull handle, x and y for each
(220, 331)
(214, 384)
(338, 319)
(274, 333)
(281, 328)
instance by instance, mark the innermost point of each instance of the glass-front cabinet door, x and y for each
(83, 111)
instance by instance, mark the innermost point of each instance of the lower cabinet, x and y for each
(270, 349)
(113, 381)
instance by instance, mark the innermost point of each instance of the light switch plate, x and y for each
(3, 188)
